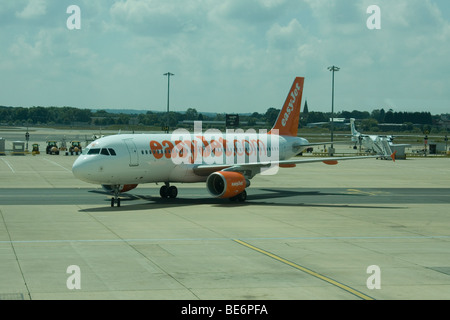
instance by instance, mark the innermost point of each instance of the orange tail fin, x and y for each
(393, 155)
(287, 121)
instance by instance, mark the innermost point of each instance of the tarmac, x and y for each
(361, 230)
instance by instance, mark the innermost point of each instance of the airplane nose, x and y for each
(80, 170)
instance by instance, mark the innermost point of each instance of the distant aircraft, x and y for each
(379, 144)
(226, 162)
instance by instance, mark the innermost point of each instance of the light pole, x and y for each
(446, 143)
(168, 74)
(332, 69)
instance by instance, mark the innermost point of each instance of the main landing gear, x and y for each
(168, 191)
(241, 197)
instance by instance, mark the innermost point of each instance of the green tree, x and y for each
(38, 114)
(389, 117)
(191, 114)
(271, 115)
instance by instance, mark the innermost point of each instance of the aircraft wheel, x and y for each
(113, 201)
(242, 196)
(164, 192)
(172, 192)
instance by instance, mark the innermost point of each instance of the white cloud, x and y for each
(34, 8)
(232, 53)
(402, 59)
(249, 11)
(156, 18)
(286, 37)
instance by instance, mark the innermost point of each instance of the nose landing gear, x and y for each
(113, 200)
(116, 198)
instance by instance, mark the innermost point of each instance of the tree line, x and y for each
(379, 115)
(44, 115)
(39, 115)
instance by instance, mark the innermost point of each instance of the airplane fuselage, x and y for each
(149, 158)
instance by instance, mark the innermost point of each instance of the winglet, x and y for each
(393, 155)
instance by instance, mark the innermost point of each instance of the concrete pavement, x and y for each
(316, 243)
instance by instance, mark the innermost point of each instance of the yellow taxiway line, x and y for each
(308, 271)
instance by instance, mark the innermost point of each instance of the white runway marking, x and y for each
(58, 165)
(9, 165)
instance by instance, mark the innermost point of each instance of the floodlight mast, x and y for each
(168, 74)
(332, 69)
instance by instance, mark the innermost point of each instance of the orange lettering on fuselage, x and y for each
(236, 149)
(217, 148)
(156, 149)
(168, 150)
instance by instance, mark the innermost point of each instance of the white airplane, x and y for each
(380, 144)
(226, 162)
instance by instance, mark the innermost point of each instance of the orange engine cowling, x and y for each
(122, 188)
(226, 184)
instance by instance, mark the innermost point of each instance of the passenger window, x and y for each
(94, 151)
(112, 152)
(104, 152)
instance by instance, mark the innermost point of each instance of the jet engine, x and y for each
(122, 188)
(226, 184)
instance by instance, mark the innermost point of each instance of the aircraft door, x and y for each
(132, 150)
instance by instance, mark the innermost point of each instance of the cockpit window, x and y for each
(104, 152)
(94, 151)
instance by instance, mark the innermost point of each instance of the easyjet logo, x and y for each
(213, 147)
(290, 106)
(237, 184)
(196, 150)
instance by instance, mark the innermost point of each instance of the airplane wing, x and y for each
(251, 169)
(406, 145)
(322, 143)
(314, 144)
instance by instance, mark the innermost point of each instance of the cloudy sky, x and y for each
(227, 56)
